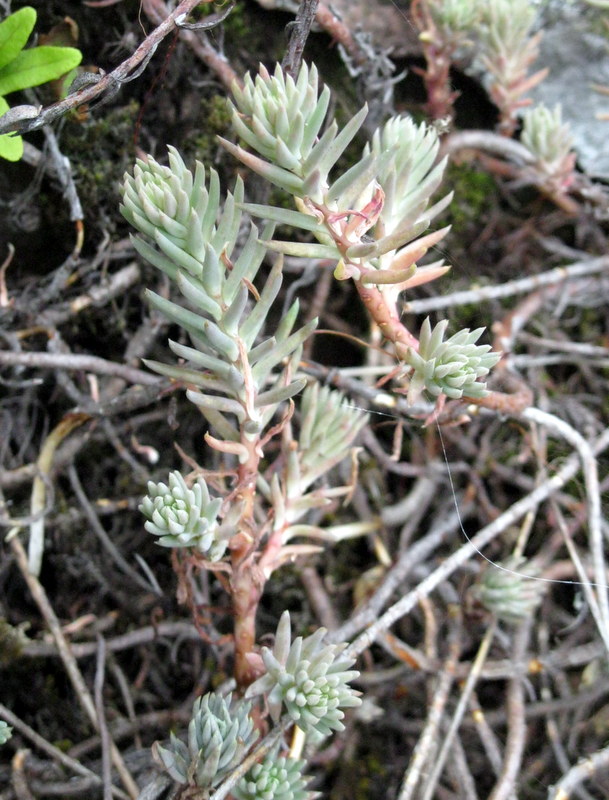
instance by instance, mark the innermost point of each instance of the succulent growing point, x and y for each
(274, 779)
(506, 591)
(218, 740)
(183, 517)
(309, 678)
(452, 367)
(5, 732)
(454, 19)
(550, 140)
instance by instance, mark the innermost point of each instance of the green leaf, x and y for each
(331, 146)
(285, 216)
(11, 146)
(14, 32)
(36, 66)
(280, 393)
(303, 249)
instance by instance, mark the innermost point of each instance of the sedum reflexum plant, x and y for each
(307, 677)
(276, 778)
(508, 48)
(243, 372)
(218, 739)
(183, 517)
(550, 141)
(370, 219)
(497, 35)
(509, 590)
(445, 28)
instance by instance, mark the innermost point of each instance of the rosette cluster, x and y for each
(281, 119)
(309, 678)
(176, 209)
(365, 217)
(193, 243)
(450, 367)
(183, 517)
(509, 590)
(274, 779)
(218, 740)
(550, 141)
(410, 176)
(454, 18)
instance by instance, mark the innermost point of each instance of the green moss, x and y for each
(101, 148)
(202, 143)
(474, 192)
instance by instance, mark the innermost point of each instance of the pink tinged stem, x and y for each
(386, 317)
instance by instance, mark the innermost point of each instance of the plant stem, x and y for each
(247, 581)
(386, 317)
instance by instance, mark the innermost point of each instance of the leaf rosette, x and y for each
(451, 367)
(309, 678)
(183, 517)
(218, 740)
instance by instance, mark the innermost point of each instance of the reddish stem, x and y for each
(247, 581)
(386, 317)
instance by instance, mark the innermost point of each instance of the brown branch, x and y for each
(299, 33)
(156, 10)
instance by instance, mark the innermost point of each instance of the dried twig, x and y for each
(552, 277)
(69, 662)
(73, 362)
(472, 547)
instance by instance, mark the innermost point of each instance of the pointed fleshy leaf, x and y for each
(329, 149)
(276, 175)
(194, 292)
(415, 250)
(255, 320)
(225, 405)
(315, 121)
(280, 393)
(248, 263)
(177, 254)
(303, 249)
(284, 216)
(153, 256)
(283, 349)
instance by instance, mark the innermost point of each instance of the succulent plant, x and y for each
(550, 140)
(454, 18)
(183, 517)
(309, 678)
(452, 367)
(5, 732)
(372, 210)
(281, 118)
(231, 372)
(179, 212)
(506, 590)
(508, 48)
(274, 779)
(218, 740)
